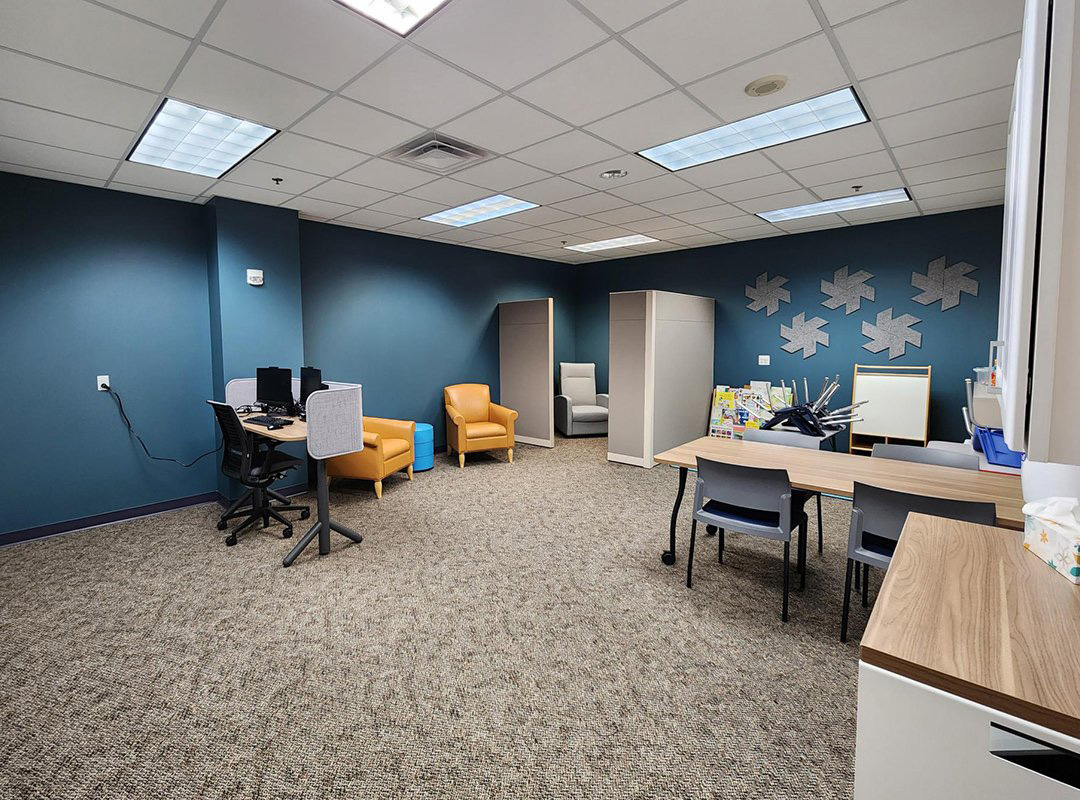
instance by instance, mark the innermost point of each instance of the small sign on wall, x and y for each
(255, 277)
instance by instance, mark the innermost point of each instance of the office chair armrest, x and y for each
(501, 414)
(391, 428)
(564, 413)
(455, 416)
(602, 400)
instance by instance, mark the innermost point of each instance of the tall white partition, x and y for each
(660, 372)
(527, 369)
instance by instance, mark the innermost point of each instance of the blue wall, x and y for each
(953, 341)
(99, 282)
(406, 317)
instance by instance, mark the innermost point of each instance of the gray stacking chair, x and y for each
(793, 439)
(925, 455)
(579, 409)
(747, 500)
(878, 516)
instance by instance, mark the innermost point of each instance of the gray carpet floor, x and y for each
(504, 631)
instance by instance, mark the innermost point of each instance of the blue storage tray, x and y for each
(995, 449)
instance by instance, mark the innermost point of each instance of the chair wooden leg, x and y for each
(787, 560)
(847, 599)
(378, 489)
(409, 471)
(820, 530)
(690, 557)
(510, 454)
(461, 460)
(866, 586)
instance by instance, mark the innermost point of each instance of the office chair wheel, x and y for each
(287, 533)
(230, 540)
(305, 514)
(222, 525)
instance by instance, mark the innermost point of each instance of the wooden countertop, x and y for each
(297, 432)
(965, 609)
(836, 473)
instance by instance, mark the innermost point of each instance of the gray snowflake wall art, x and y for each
(944, 283)
(767, 293)
(891, 334)
(804, 335)
(847, 290)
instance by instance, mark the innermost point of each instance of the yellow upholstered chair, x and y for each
(388, 447)
(474, 423)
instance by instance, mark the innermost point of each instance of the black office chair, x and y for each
(256, 468)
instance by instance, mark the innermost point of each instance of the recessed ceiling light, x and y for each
(763, 87)
(614, 174)
(479, 210)
(192, 139)
(829, 112)
(839, 204)
(400, 16)
(608, 244)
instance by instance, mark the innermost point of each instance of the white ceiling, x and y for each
(558, 90)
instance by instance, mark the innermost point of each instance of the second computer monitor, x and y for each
(310, 381)
(273, 386)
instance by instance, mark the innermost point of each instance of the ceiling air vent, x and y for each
(437, 153)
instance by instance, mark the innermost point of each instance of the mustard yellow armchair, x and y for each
(388, 448)
(474, 423)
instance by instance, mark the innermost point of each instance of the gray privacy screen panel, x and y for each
(526, 368)
(627, 363)
(335, 421)
(240, 392)
(684, 337)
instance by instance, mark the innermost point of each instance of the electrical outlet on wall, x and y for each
(764, 361)
(102, 380)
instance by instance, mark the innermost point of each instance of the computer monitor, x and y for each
(310, 381)
(273, 386)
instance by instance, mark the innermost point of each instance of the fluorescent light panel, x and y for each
(479, 210)
(191, 139)
(838, 205)
(608, 244)
(830, 112)
(400, 16)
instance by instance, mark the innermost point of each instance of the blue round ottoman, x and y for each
(424, 445)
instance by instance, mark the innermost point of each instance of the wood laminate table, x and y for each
(836, 474)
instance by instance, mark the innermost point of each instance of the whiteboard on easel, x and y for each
(899, 402)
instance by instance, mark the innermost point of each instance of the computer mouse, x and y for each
(274, 427)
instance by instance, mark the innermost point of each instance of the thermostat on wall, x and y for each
(255, 277)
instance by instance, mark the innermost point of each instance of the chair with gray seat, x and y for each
(799, 497)
(925, 455)
(747, 500)
(579, 409)
(878, 517)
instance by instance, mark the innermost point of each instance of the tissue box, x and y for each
(1059, 550)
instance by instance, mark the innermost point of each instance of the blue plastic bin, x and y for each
(424, 444)
(995, 449)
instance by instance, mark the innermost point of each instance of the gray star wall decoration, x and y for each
(847, 290)
(891, 334)
(767, 293)
(944, 283)
(804, 335)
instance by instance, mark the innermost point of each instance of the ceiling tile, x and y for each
(619, 14)
(449, 192)
(500, 174)
(596, 84)
(874, 44)
(257, 173)
(980, 140)
(652, 189)
(978, 69)
(186, 17)
(49, 127)
(978, 196)
(699, 37)
(371, 219)
(772, 202)
(159, 178)
(459, 235)
(956, 167)
(651, 225)
(575, 225)
(42, 156)
(525, 248)
(223, 83)
(322, 43)
(250, 194)
(966, 183)
(52, 175)
(408, 206)
(637, 168)
(662, 119)
(839, 10)
(350, 194)
(827, 147)
(35, 82)
(350, 124)
(417, 227)
(521, 38)
(504, 125)
(755, 187)
(701, 240)
(383, 174)
(299, 152)
(710, 214)
(531, 234)
(683, 202)
(541, 216)
(92, 38)
(977, 111)
(313, 207)
(811, 67)
(620, 216)
(674, 230)
(550, 190)
(869, 183)
(412, 84)
(590, 204)
(844, 168)
(880, 212)
(494, 241)
(499, 226)
(812, 223)
(743, 220)
(729, 170)
(754, 232)
(565, 152)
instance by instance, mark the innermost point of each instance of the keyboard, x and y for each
(268, 421)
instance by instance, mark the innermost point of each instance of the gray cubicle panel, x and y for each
(660, 366)
(335, 420)
(527, 368)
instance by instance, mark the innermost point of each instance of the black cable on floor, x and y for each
(131, 430)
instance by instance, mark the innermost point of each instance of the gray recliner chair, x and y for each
(579, 409)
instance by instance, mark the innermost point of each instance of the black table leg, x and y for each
(668, 556)
(323, 527)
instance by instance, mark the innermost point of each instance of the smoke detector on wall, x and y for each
(437, 153)
(770, 84)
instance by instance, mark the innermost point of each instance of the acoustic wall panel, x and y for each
(628, 376)
(527, 369)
